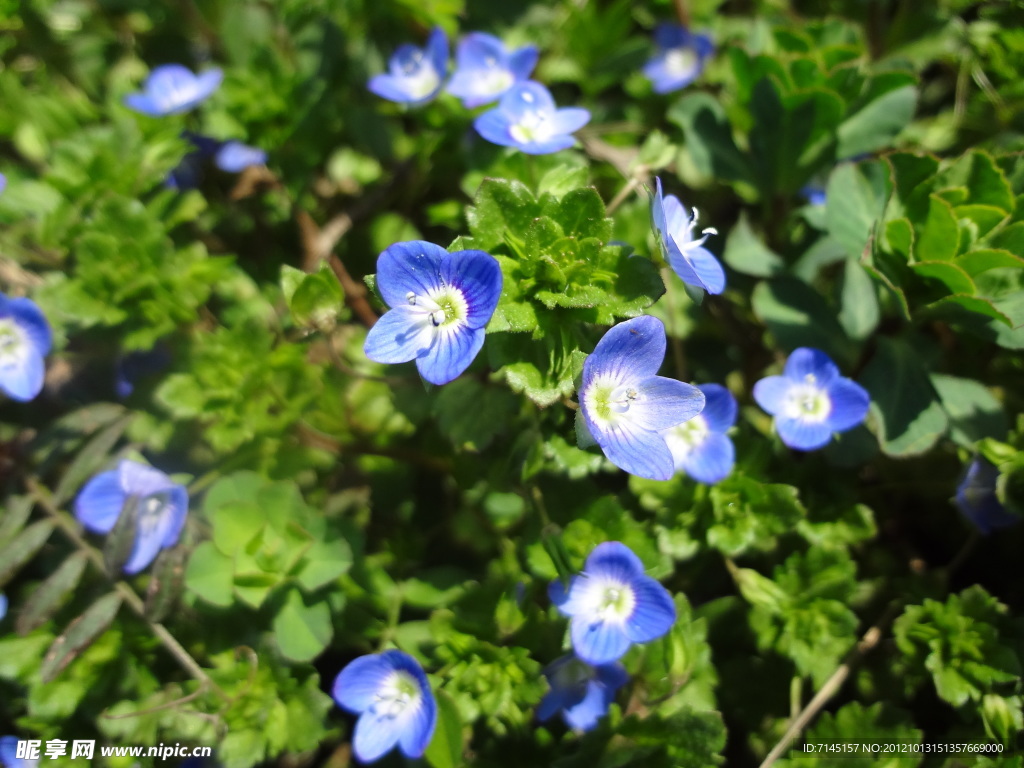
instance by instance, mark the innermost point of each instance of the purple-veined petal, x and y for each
(418, 726)
(139, 480)
(638, 451)
(522, 62)
(409, 267)
(31, 321)
(654, 612)
(375, 736)
(235, 156)
(719, 407)
(611, 676)
(495, 126)
(100, 502)
(455, 347)
(707, 268)
(613, 560)
(850, 403)
(570, 119)
(771, 392)
(400, 335)
(807, 361)
(711, 461)
(681, 265)
(477, 275)
(803, 435)
(563, 597)
(633, 350)
(664, 403)
(598, 642)
(22, 373)
(677, 220)
(356, 686)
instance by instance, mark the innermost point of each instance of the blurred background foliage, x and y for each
(340, 506)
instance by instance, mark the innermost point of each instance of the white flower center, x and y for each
(151, 511)
(607, 401)
(680, 62)
(533, 126)
(11, 341)
(806, 401)
(444, 307)
(684, 238)
(421, 79)
(607, 600)
(687, 436)
(398, 692)
(494, 80)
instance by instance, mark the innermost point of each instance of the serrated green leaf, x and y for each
(937, 236)
(581, 213)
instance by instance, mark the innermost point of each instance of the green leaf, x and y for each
(49, 596)
(324, 562)
(317, 300)
(473, 429)
(798, 316)
(709, 138)
(501, 208)
(746, 253)
(876, 125)
(855, 198)
(79, 635)
(562, 179)
(909, 417)
(23, 548)
(90, 459)
(581, 212)
(236, 524)
(937, 237)
(445, 748)
(750, 515)
(859, 313)
(974, 412)
(302, 630)
(210, 574)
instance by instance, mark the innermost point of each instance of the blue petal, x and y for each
(391, 88)
(598, 642)
(31, 321)
(547, 146)
(526, 98)
(704, 45)
(654, 612)
(771, 392)
(100, 502)
(436, 52)
(413, 266)
(613, 560)
(142, 102)
(522, 61)
(562, 596)
(477, 275)
(139, 480)
(664, 403)
(977, 501)
(677, 220)
(850, 403)
(554, 701)
(149, 540)
(681, 265)
(400, 335)
(719, 407)
(418, 727)
(570, 119)
(478, 50)
(611, 676)
(670, 35)
(711, 461)
(3, 183)
(177, 501)
(803, 435)
(638, 451)
(3, 605)
(807, 361)
(707, 268)
(235, 156)
(22, 373)
(632, 350)
(495, 126)
(9, 753)
(206, 83)
(375, 736)
(455, 347)
(356, 686)
(591, 708)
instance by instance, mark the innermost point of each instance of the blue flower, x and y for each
(234, 156)
(440, 303)
(700, 446)
(9, 754)
(133, 366)
(688, 257)
(25, 339)
(3, 605)
(582, 692)
(3, 183)
(977, 501)
(813, 194)
(680, 58)
(160, 507)
(613, 604)
(484, 70)
(415, 74)
(392, 697)
(172, 88)
(625, 406)
(810, 400)
(526, 118)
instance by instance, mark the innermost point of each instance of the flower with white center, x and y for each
(414, 74)
(977, 500)
(580, 691)
(234, 156)
(158, 504)
(25, 339)
(440, 303)
(680, 59)
(625, 407)
(172, 88)
(392, 697)
(674, 230)
(810, 400)
(700, 447)
(484, 69)
(9, 754)
(613, 604)
(526, 118)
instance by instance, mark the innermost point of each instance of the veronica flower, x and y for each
(3, 605)
(172, 88)
(813, 194)
(392, 697)
(526, 118)
(680, 58)
(25, 339)
(484, 69)
(977, 501)
(673, 229)
(810, 400)
(234, 156)
(625, 406)
(414, 74)
(159, 504)
(440, 303)
(580, 691)
(613, 604)
(9, 754)
(700, 447)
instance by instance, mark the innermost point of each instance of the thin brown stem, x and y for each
(682, 12)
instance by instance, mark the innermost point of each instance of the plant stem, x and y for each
(682, 12)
